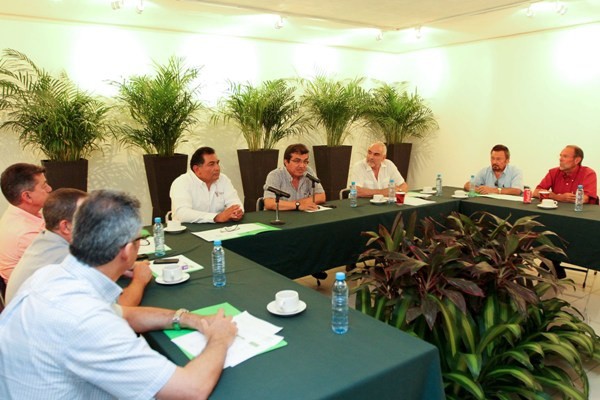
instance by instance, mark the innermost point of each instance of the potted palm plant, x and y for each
(482, 290)
(265, 114)
(163, 110)
(395, 116)
(52, 115)
(335, 106)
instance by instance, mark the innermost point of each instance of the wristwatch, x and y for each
(297, 205)
(499, 190)
(176, 321)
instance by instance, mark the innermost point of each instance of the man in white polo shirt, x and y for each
(372, 174)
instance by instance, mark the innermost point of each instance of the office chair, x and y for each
(344, 193)
(260, 204)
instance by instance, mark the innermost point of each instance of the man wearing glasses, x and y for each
(204, 194)
(26, 189)
(71, 343)
(292, 179)
(500, 177)
(51, 246)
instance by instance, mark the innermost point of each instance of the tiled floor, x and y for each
(587, 301)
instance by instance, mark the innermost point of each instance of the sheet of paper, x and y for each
(417, 194)
(186, 264)
(504, 197)
(150, 248)
(255, 336)
(231, 232)
(415, 201)
(321, 208)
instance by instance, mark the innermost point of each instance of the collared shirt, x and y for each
(281, 179)
(18, 228)
(193, 201)
(363, 175)
(561, 182)
(511, 177)
(47, 248)
(68, 343)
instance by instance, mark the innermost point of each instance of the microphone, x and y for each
(312, 178)
(277, 192)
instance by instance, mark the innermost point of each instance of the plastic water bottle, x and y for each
(159, 237)
(391, 192)
(353, 195)
(218, 265)
(579, 198)
(472, 186)
(339, 304)
(438, 185)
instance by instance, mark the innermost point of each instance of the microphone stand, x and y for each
(313, 190)
(277, 221)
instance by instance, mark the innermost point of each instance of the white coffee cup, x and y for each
(460, 193)
(172, 224)
(378, 197)
(287, 300)
(172, 273)
(427, 189)
(549, 203)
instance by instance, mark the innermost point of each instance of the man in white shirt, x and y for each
(70, 343)
(26, 189)
(372, 175)
(204, 194)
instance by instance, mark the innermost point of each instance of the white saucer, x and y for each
(547, 208)
(460, 197)
(373, 201)
(175, 230)
(184, 278)
(272, 308)
(429, 192)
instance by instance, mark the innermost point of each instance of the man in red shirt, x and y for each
(564, 179)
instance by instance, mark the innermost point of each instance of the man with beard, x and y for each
(372, 175)
(499, 177)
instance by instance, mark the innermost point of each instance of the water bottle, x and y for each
(472, 186)
(159, 237)
(352, 196)
(391, 192)
(218, 265)
(339, 304)
(579, 198)
(438, 185)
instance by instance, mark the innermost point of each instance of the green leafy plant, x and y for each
(50, 114)
(480, 290)
(265, 114)
(162, 106)
(395, 115)
(334, 105)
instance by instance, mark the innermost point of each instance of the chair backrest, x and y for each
(260, 204)
(344, 193)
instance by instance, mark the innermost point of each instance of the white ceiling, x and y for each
(344, 23)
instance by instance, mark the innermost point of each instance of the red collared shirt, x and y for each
(561, 182)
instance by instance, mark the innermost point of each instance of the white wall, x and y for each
(535, 93)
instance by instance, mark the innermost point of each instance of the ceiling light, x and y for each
(280, 23)
(379, 35)
(139, 7)
(117, 4)
(530, 12)
(417, 32)
(561, 7)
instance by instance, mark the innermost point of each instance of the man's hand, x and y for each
(563, 197)
(307, 204)
(231, 213)
(486, 190)
(142, 272)
(219, 328)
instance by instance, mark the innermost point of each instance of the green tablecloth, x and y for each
(373, 360)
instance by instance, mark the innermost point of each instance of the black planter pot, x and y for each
(333, 164)
(254, 168)
(399, 154)
(161, 171)
(67, 174)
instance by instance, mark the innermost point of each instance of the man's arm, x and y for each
(288, 205)
(133, 293)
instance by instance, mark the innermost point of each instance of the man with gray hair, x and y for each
(51, 246)
(372, 175)
(79, 345)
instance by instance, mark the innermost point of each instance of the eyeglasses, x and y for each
(299, 161)
(142, 239)
(230, 228)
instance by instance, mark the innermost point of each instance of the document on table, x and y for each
(321, 208)
(231, 232)
(149, 249)
(255, 336)
(415, 201)
(504, 197)
(185, 263)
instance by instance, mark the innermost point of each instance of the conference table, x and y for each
(372, 360)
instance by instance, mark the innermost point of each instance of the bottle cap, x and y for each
(391, 181)
(340, 276)
(580, 186)
(217, 242)
(157, 220)
(354, 183)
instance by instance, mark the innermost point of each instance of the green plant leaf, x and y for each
(466, 383)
